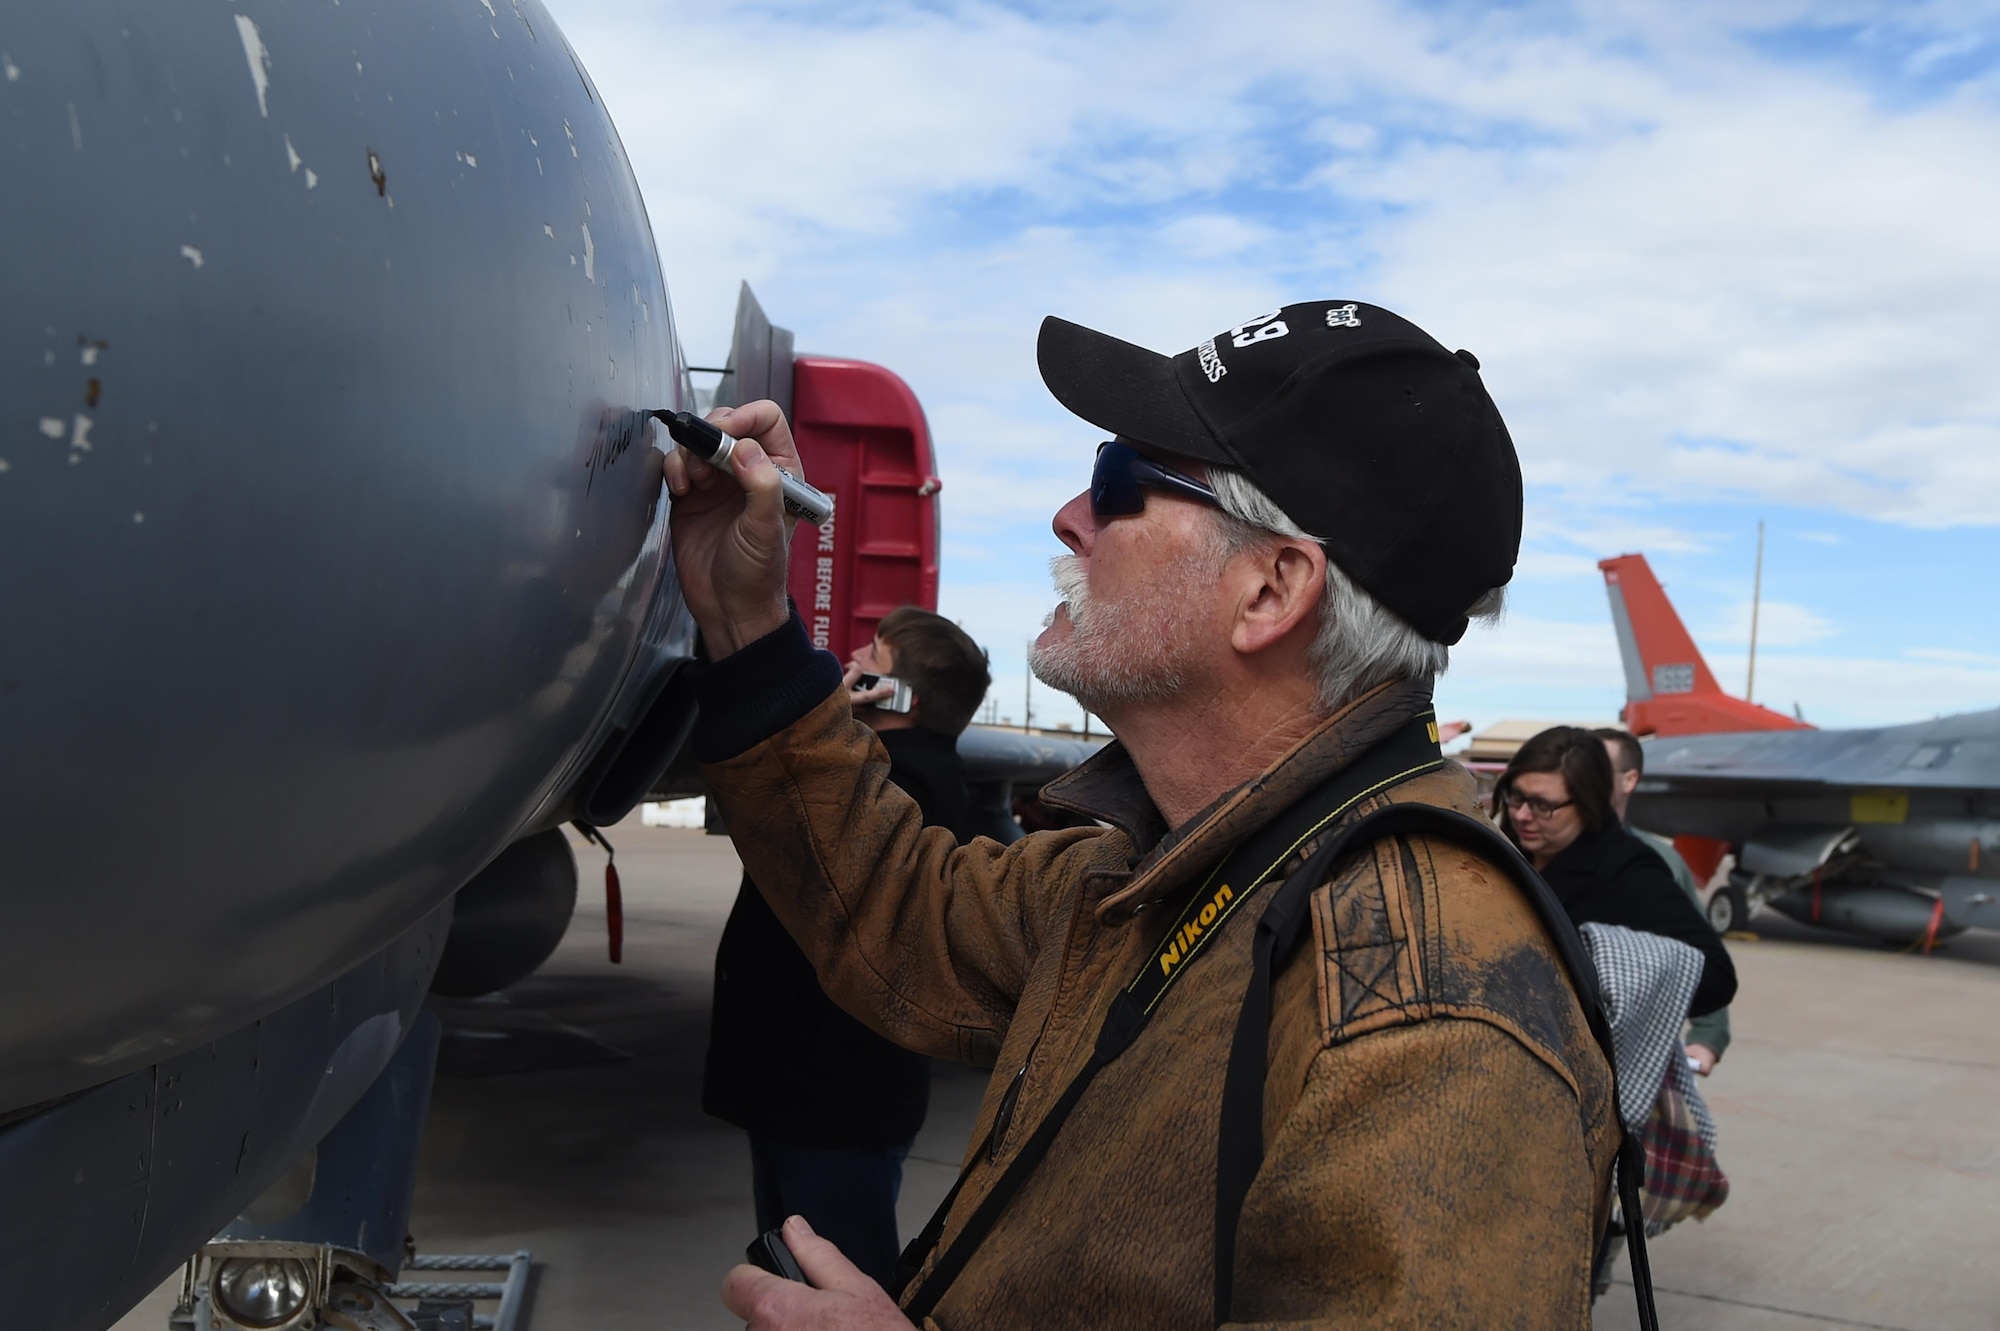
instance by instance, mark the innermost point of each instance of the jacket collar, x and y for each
(1106, 787)
(1583, 859)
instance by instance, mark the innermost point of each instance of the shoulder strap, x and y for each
(1409, 751)
(1241, 1131)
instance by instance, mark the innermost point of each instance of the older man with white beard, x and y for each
(1291, 524)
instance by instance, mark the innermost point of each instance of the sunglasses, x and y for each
(1121, 476)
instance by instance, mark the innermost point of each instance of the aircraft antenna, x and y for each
(1756, 604)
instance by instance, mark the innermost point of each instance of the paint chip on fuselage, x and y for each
(259, 57)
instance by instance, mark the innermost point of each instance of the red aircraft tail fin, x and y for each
(1669, 689)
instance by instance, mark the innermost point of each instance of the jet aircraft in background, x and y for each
(1890, 831)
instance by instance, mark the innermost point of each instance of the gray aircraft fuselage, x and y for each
(331, 563)
(1920, 805)
(327, 557)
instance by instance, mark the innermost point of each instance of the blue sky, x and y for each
(1721, 262)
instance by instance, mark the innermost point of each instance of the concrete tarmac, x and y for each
(1859, 1112)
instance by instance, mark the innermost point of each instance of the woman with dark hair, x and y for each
(1554, 800)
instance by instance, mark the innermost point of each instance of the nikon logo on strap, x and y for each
(1410, 751)
(1182, 944)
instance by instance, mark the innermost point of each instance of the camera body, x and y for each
(769, 1252)
(901, 700)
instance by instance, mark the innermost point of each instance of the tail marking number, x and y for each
(1673, 679)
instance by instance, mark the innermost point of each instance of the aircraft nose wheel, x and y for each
(1727, 910)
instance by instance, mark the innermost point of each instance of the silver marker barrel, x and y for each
(706, 440)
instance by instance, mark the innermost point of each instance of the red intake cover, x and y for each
(862, 436)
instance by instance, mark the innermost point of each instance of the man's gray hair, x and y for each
(1361, 642)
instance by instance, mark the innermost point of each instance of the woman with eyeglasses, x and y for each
(1554, 802)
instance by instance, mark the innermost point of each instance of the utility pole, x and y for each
(1027, 689)
(1756, 605)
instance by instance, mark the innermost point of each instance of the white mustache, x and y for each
(1072, 584)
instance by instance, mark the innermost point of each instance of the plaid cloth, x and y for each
(1682, 1177)
(1647, 981)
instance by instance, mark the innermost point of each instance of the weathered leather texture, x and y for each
(1438, 1121)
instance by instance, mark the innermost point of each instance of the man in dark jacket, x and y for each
(832, 1107)
(1707, 1036)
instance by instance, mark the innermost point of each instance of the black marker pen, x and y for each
(706, 440)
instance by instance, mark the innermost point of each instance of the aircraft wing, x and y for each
(1892, 831)
(1956, 753)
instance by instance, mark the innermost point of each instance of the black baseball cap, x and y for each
(1362, 427)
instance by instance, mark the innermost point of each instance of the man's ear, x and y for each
(1285, 583)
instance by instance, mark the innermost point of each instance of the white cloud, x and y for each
(1690, 270)
(1534, 667)
(1779, 292)
(1549, 566)
(1602, 531)
(1539, 651)
(1694, 270)
(1951, 656)
(1867, 691)
(1569, 670)
(1779, 624)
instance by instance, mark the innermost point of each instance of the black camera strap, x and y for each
(1241, 1131)
(1410, 751)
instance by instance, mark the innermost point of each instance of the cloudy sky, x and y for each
(1720, 261)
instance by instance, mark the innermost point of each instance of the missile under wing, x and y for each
(1890, 831)
(331, 562)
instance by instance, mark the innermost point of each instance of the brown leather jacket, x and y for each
(1438, 1123)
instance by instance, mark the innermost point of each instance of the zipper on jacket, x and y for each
(1003, 1117)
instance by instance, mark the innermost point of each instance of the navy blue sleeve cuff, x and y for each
(756, 692)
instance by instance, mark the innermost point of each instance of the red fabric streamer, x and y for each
(614, 912)
(1937, 918)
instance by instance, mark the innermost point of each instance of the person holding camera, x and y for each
(1413, 1124)
(831, 1107)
